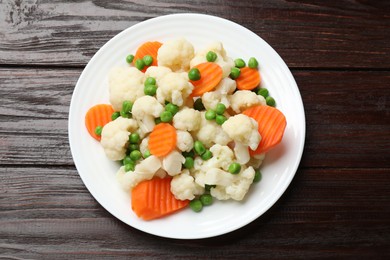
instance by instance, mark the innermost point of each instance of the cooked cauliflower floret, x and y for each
(241, 153)
(222, 60)
(243, 129)
(125, 83)
(145, 170)
(238, 188)
(176, 54)
(144, 110)
(211, 133)
(256, 160)
(187, 119)
(222, 157)
(184, 187)
(144, 145)
(216, 176)
(157, 72)
(175, 88)
(220, 94)
(184, 141)
(244, 99)
(115, 136)
(172, 163)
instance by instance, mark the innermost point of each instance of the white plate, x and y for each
(98, 173)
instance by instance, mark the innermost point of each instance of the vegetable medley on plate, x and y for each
(187, 127)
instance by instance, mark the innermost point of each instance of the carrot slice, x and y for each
(249, 79)
(210, 76)
(148, 48)
(98, 115)
(162, 139)
(271, 125)
(153, 199)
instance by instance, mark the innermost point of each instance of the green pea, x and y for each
(258, 176)
(150, 90)
(148, 60)
(147, 154)
(150, 81)
(239, 63)
(199, 148)
(172, 108)
(210, 114)
(127, 106)
(130, 58)
(234, 168)
(208, 187)
(211, 56)
(206, 155)
(270, 101)
(198, 105)
(133, 147)
(127, 160)
(157, 120)
(194, 74)
(188, 154)
(135, 155)
(263, 92)
(253, 63)
(98, 130)
(130, 167)
(220, 119)
(134, 138)
(189, 163)
(220, 109)
(206, 199)
(115, 115)
(235, 73)
(139, 64)
(125, 114)
(196, 205)
(166, 116)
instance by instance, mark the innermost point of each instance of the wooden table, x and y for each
(337, 206)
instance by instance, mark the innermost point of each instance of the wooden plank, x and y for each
(47, 212)
(325, 34)
(344, 128)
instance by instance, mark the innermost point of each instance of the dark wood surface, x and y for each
(337, 206)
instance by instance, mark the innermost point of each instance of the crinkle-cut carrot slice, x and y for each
(249, 79)
(210, 76)
(153, 199)
(162, 139)
(98, 115)
(271, 125)
(148, 48)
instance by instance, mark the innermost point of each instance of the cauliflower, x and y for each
(145, 170)
(243, 129)
(211, 133)
(144, 110)
(125, 83)
(216, 176)
(184, 141)
(175, 88)
(237, 188)
(187, 119)
(220, 94)
(222, 60)
(172, 163)
(176, 54)
(256, 160)
(244, 99)
(184, 187)
(242, 153)
(115, 136)
(222, 158)
(144, 145)
(157, 72)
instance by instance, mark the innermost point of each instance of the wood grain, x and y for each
(319, 34)
(338, 135)
(337, 218)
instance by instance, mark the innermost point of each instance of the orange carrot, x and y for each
(271, 125)
(98, 115)
(162, 139)
(210, 76)
(148, 48)
(153, 199)
(249, 79)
